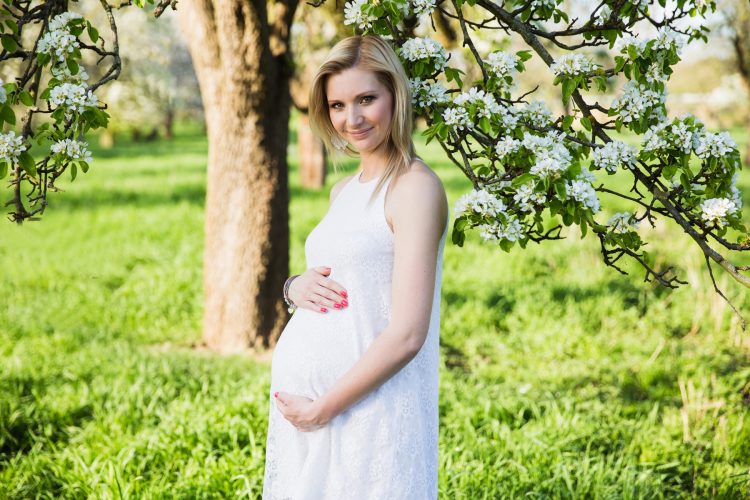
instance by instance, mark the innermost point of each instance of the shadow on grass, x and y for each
(194, 195)
(25, 423)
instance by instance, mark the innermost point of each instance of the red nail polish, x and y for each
(343, 294)
(276, 394)
(323, 309)
(344, 302)
(337, 306)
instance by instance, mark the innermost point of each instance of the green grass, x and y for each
(560, 377)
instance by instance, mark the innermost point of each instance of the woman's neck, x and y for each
(373, 164)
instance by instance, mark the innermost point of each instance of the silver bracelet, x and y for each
(291, 306)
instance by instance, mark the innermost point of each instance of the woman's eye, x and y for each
(368, 98)
(335, 105)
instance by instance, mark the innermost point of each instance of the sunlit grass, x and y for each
(560, 377)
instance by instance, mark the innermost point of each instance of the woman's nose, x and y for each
(355, 117)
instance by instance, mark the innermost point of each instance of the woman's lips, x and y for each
(360, 134)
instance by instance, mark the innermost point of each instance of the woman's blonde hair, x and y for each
(368, 52)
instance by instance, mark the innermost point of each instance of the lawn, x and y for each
(560, 378)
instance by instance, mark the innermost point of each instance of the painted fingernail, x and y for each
(345, 302)
(337, 306)
(323, 309)
(343, 294)
(276, 394)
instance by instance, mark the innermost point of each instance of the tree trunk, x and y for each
(242, 65)
(169, 122)
(311, 154)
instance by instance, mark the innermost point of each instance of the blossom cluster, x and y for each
(637, 101)
(583, 192)
(612, 155)
(75, 98)
(715, 210)
(526, 197)
(424, 93)
(502, 64)
(536, 114)
(72, 150)
(506, 146)
(59, 41)
(11, 147)
(353, 14)
(623, 222)
(487, 105)
(573, 65)
(509, 230)
(550, 154)
(714, 145)
(423, 6)
(479, 201)
(64, 74)
(425, 49)
(458, 118)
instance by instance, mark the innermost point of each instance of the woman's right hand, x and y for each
(313, 290)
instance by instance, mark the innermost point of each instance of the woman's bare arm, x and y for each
(417, 231)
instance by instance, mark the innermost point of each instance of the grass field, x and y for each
(560, 377)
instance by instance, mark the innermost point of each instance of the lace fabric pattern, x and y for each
(386, 445)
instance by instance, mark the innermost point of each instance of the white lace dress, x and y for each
(385, 447)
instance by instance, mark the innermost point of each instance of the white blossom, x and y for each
(506, 146)
(604, 13)
(474, 94)
(627, 40)
(502, 64)
(479, 201)
(498, 230)
(716, 210)
(353, 14)
(550, 153)
(64, 74)
(457, 118)
(423, 6)
(637, 101)
(71, 149)
(714, 145)
(75, 98)
(11, 147)
(424, 93)
(623, 222)
(586, 176)
(667, 38)
(736, 196)
(421, 49)
(61, 21)
(58, 43)
(538, 4)
(612, 155)
(537, 114)
(3, 94)
(583, 192)
(526, 197)
(573, 65)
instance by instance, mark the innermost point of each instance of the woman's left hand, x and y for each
(303, 413)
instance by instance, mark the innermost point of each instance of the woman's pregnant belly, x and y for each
(314, 351)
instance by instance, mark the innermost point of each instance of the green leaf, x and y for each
(586, 123)
(568, 86)
(567, 122)
(84, 166)
(7, 114)
(3, 169)
(584, 228)
(26, 98)
(12, 25)
(72, 66)
(93, 33)
(9, 43)
(524, 55)
(73, 172)
(560, 189)
(27, 163)
(521, 180)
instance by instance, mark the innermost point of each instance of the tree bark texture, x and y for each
(240, 51)
(311, 154)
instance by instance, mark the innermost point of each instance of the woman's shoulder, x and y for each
(421, 183)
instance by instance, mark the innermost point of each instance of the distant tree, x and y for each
(736, 16)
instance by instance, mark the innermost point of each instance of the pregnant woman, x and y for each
(354, 387)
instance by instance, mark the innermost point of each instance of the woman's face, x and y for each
(360, 108)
